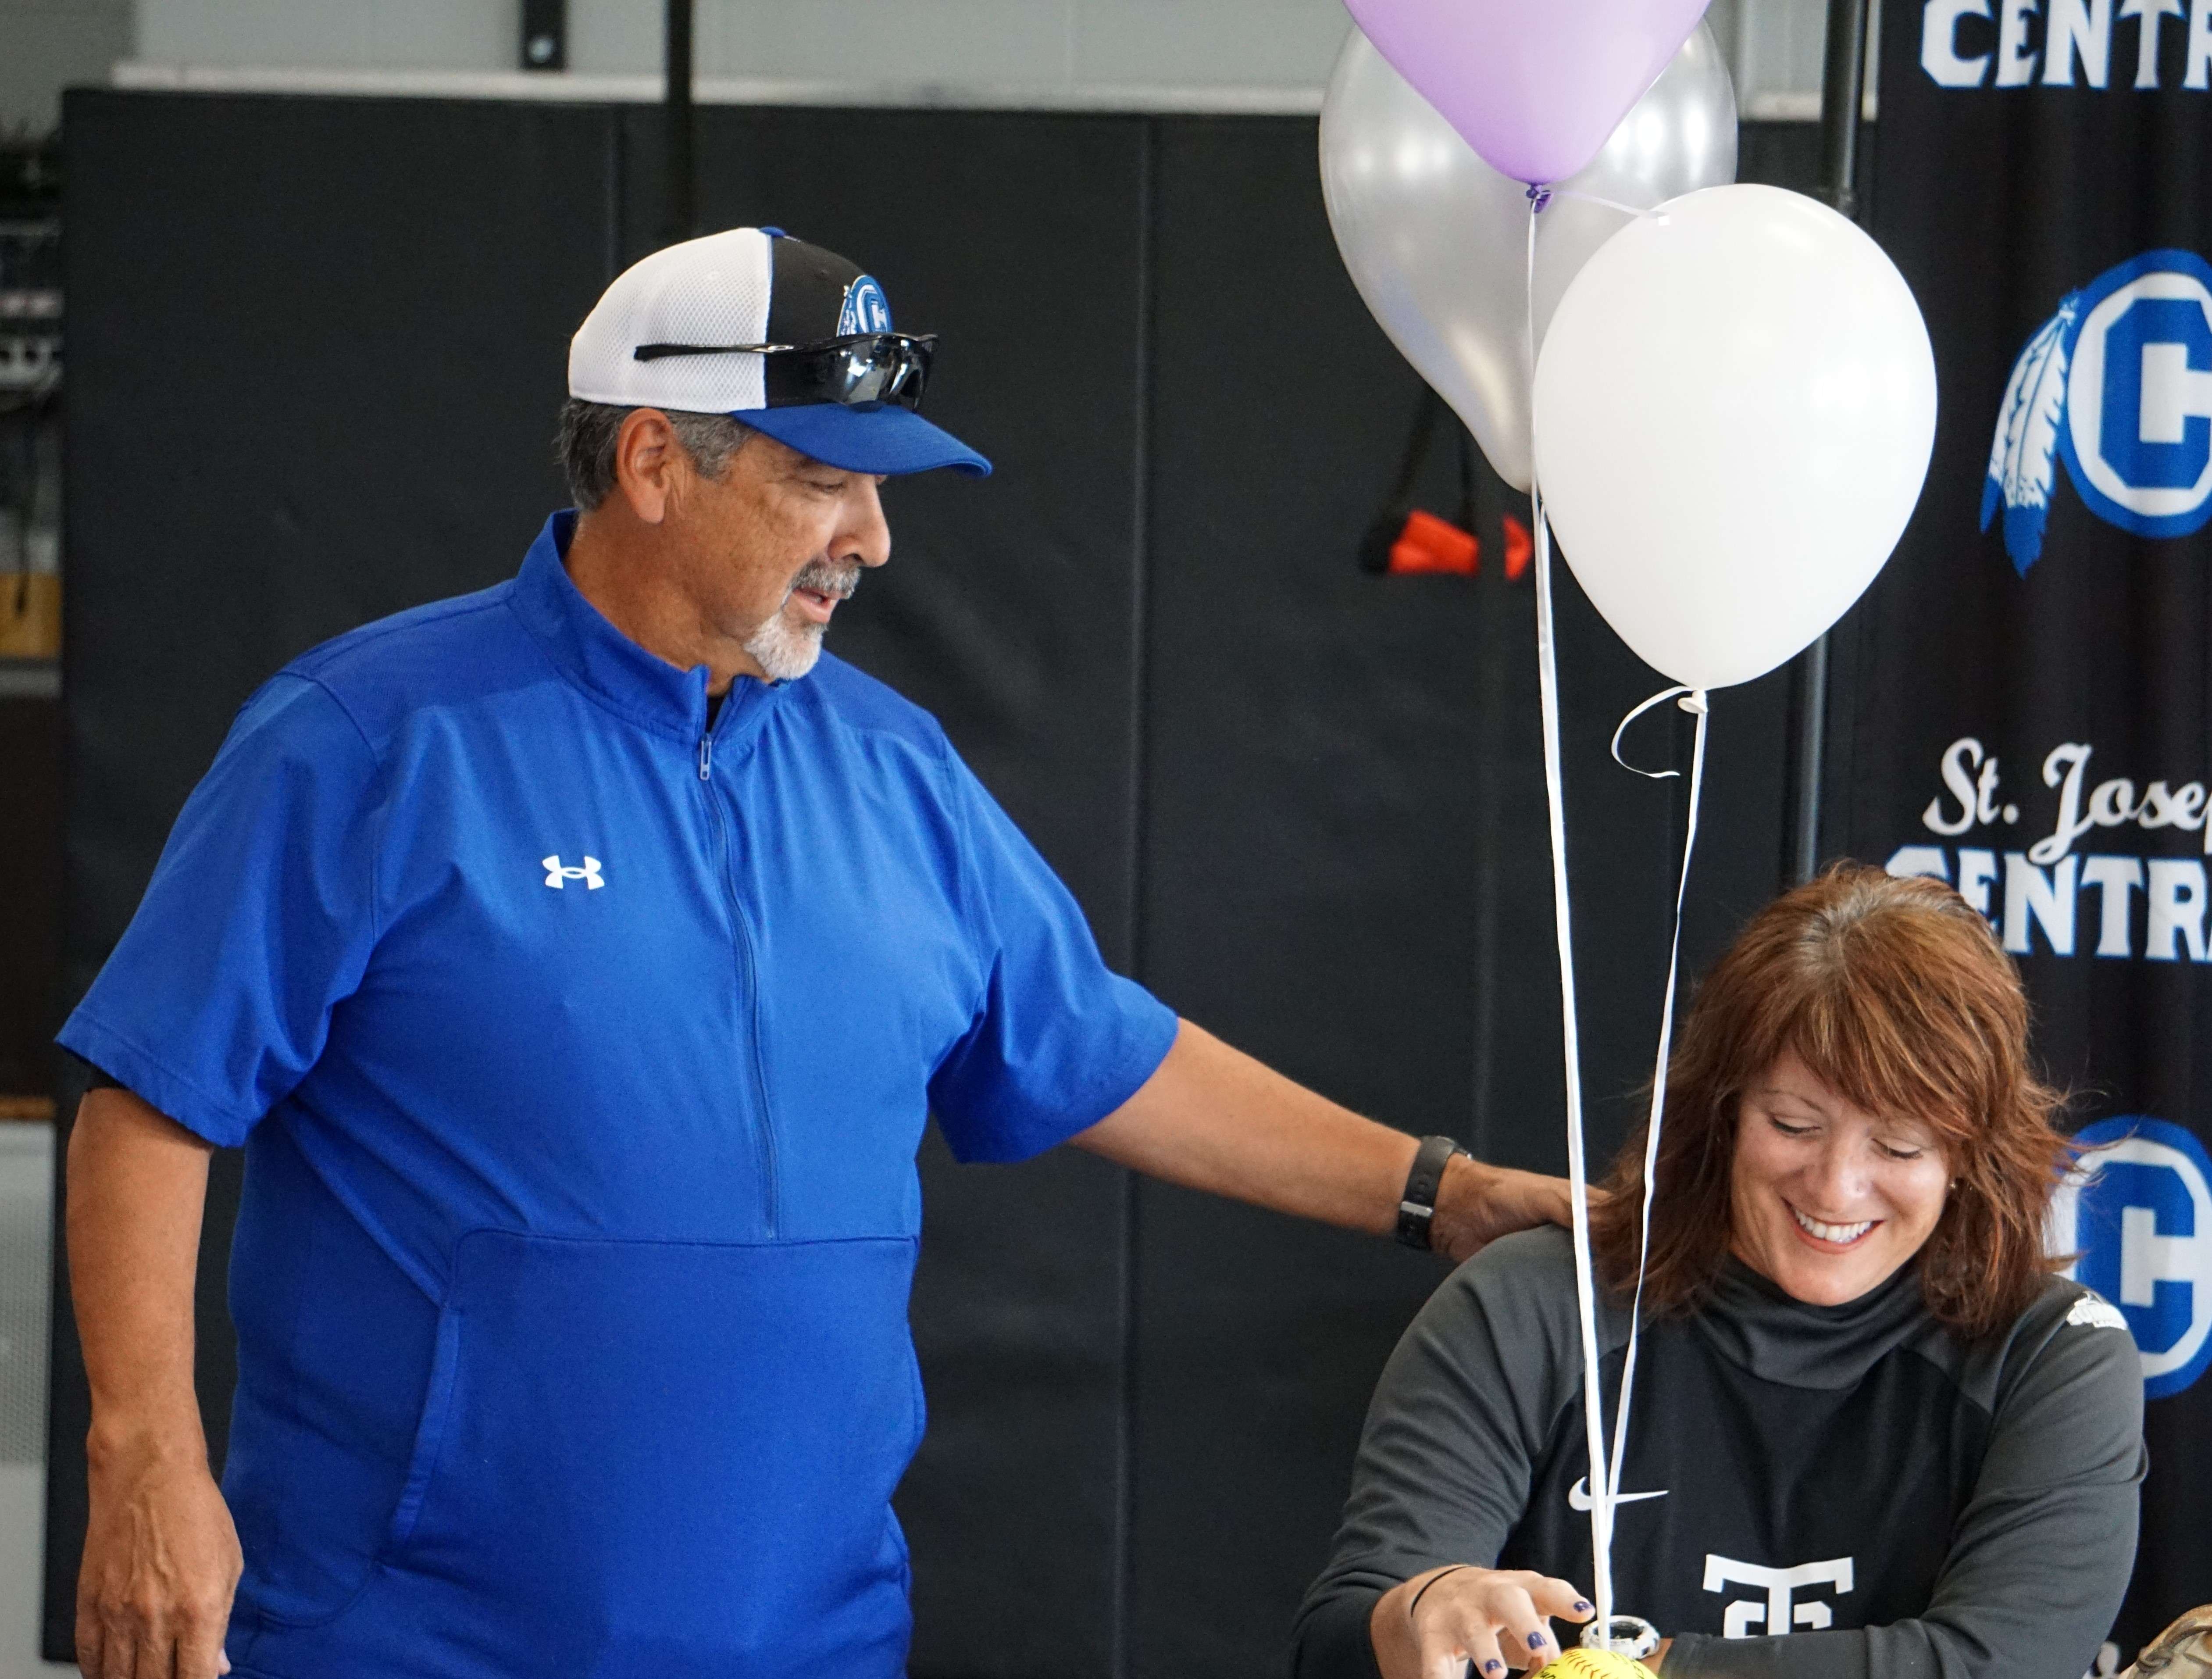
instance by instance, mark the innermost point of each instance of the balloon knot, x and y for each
(1538, 197)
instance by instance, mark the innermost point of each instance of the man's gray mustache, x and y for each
(836, 580)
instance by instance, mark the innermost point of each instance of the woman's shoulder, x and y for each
(1538, 1262)
(2062, 1303)
(2063, 1386)
(1522, 1287)
(2068, 1351)
(1546, 1248)
(1504, 1328)
(2076, 1325)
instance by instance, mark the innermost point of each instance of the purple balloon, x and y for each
(1536, 87)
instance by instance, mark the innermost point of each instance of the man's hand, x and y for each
(1478, 1203)
(160, 1554)
(160, 1562)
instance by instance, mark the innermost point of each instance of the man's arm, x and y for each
(1212, 1118)
(160, 1555)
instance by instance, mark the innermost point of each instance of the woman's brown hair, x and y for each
(1896, 994)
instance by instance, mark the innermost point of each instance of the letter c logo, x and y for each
(2139, 1212)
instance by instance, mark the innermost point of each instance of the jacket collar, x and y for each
(1754, 1322)
(636, 685)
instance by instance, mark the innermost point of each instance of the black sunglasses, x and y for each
(859, 367)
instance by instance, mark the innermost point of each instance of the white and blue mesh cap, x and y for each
(751, 285)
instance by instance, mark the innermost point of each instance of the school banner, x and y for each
(2025, 701)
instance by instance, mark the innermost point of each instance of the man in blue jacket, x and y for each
(578, 963)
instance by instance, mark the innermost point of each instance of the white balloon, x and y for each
(1733, 414)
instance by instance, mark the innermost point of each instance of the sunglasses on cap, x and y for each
(858, 368)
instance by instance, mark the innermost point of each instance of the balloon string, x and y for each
(1659, 698)
(1693, 701)
(1610, 203)
(1602, 1485)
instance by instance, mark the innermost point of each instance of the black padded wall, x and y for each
(316, 349)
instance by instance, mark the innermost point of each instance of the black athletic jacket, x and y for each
(1820, 1493)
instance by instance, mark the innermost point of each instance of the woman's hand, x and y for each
(1437, 1623)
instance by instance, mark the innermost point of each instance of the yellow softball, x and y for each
(1595, 1664)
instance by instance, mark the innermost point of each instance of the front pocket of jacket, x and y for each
(681, 1448)
(430, 1434)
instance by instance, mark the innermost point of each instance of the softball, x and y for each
(1595, 1664)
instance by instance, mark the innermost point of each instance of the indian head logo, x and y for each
(866, 309)
(2118, 384)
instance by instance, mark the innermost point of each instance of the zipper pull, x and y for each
(706, 756)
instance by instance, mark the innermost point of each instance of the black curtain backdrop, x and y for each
(316, 349)
(2015, 174)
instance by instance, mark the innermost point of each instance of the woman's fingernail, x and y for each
(1535, 1640)
(1581, 1608)
(1492, 1667)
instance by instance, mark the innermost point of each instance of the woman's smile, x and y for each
(1831, 1236)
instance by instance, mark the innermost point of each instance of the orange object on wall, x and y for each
(1519, 550)
(30, 614)
(1429, 543)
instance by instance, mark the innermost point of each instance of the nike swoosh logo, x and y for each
(1578, 1495)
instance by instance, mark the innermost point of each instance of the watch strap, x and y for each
(1417, 1208)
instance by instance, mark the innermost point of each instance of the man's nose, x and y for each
(865, 535)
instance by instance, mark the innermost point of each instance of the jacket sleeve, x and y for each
(2043, 1553)
(1059, 1040)
(260, 919)
(1453, 1434)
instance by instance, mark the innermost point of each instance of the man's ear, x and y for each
(651, 467)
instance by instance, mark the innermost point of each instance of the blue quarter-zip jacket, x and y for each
(581, 1053)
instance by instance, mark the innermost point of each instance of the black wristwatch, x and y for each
(1417, 1209)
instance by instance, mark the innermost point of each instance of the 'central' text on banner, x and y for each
(2083, 886)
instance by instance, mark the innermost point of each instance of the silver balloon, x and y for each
(1436, 239)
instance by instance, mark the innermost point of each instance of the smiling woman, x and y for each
(1875, 1435)
(1858, 1056)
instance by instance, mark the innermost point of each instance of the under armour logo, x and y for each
(557, 876)
(1776, 1615)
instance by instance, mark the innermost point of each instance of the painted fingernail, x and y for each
(1493, 1667)
(1535, 1640)
(1581, 1608)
